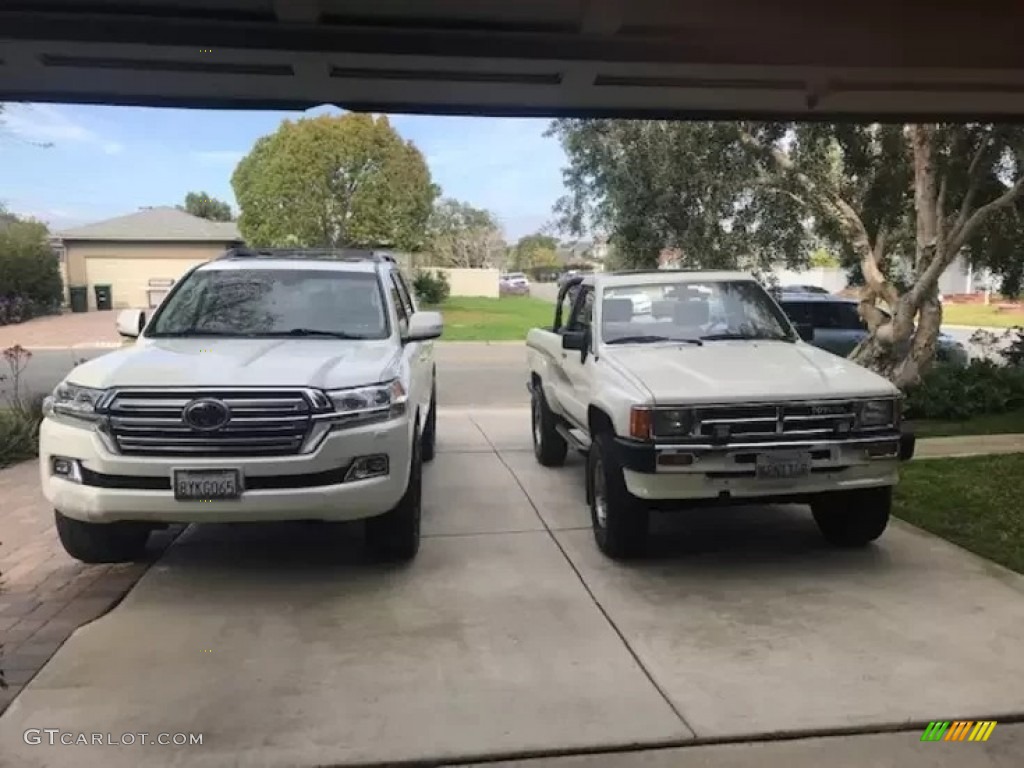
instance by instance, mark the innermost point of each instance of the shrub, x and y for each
(947, 392)
(19, 417)
(29, 271)
(431, 287)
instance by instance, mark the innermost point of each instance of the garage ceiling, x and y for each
(871, 58)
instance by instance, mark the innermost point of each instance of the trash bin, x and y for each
(104, 300)
(79, 295)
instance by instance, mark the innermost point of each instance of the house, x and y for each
(140, 255)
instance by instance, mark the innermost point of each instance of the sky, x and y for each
(110, 161)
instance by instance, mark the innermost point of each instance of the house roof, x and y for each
(162, 224)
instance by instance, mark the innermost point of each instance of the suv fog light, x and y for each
(68, 469)
(365, 467)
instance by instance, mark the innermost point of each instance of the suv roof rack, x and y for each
(332, 254)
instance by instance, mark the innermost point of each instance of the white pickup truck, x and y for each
(710, 397)
(268, 385)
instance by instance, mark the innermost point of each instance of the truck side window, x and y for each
(583, 311)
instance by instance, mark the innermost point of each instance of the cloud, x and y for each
(219, 156)
(49, 124)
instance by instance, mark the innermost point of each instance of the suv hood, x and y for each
(323, 363)
(735, 371)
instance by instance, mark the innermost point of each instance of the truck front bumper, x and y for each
(108, 487)
(728, 472)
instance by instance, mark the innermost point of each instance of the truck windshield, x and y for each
(710, 311)
(274, 302)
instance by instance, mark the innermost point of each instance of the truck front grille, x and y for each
(261, 423)
(798, 420)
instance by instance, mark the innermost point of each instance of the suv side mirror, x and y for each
(130, 323)
(805, 331)
(424, 326)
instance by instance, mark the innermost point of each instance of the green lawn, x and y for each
(504, 319)
(986, 424)
(979, 315)
(973, 502)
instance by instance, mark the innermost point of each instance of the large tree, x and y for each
(898, 202)
(536, 250)
(459, 235)
(333, 181)
(206, 207)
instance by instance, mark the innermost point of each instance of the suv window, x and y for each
(583, 310)
(274, 302)
(798, 312)
(836, 315)
(404, 292)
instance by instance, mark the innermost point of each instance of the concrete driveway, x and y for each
(511, 636)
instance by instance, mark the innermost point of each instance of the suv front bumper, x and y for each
(658, 472)
(112, 487)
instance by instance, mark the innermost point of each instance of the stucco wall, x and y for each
(471, 282)
(128, 267)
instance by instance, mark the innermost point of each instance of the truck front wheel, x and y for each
(853, 518)
(619, 519)
(549, 447)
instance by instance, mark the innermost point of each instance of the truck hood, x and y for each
(323, 363)
(735, 371)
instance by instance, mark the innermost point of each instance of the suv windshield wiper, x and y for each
(195, 332)
(317, 332)
(745, 337)
(651, 339)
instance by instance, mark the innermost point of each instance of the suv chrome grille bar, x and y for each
(795, 419)
(151, 423)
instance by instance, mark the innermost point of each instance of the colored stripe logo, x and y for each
(958, 730)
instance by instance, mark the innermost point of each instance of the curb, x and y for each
(73, 347)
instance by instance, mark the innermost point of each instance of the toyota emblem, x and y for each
(206, 415)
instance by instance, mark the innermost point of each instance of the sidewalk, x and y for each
(967, 445)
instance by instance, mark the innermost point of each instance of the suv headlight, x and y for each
(647, 422)
(387, 399)
(878, 413)
(74, 400)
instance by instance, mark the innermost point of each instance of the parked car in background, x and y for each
(804, 289)
(838, 327)
(514, 284)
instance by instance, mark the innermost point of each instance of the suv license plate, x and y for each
(783, 466)
(207, 484)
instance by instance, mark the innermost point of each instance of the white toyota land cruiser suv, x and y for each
(710, 397)
(268, 385)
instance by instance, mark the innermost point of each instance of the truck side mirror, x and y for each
(574, 340)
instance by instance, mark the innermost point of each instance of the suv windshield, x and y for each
(274, 302)
(711, 311)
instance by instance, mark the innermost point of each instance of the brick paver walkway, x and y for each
(63, 331)
(45, 595)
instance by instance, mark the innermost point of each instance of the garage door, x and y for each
(137, 283)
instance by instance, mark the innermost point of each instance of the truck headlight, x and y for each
(878, 413)
(673, 422)
(75, 401)
(387, 399)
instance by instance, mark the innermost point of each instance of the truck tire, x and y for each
(395, 535)
(102, 542)
(549, 447)
(619, 519)
(853, 518)
(429, 439)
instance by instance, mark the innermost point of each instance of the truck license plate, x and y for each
(207, 484)
(783, 466)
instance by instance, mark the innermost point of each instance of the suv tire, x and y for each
(620, 520)
(395, 535)
(429, 439)
(853, 518)
(102, 542)
(549, 447)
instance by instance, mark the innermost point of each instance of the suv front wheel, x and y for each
(395, 535)
(619, 518)
(102, 542)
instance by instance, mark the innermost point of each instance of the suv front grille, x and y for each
(800, 419)
(261, 423)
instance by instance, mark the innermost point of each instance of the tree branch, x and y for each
(972, 187)
(977, 218)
